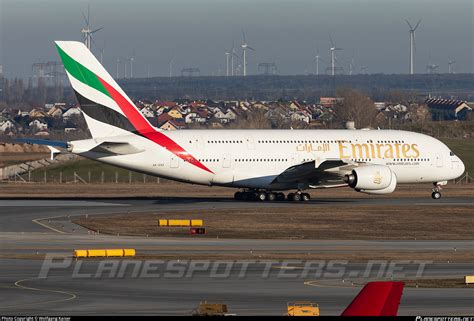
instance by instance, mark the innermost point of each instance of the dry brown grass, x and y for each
(437, 283)
(352, 256)
(302, 221)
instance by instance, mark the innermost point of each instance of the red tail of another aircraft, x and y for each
(376, 299)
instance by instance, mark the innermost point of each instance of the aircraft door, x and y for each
(226, 160)
(174, 161)
(439, 160)
(295, 159)
(250, 142)
(199, 142)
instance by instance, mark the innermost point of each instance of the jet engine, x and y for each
(372, 179)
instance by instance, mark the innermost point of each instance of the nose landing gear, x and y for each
(436, 194)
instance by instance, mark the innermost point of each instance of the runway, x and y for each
(63, 292)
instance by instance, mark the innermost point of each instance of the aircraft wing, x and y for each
(330, 171)
(81, 146)
(376, 299)
(54, 143)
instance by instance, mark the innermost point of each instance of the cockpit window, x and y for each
(451, 153)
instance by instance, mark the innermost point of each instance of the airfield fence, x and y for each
(119, 177)
(90, 177)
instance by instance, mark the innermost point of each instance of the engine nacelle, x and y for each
(373, 179)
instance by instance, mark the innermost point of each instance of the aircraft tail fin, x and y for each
(376, 299)
(107, 109)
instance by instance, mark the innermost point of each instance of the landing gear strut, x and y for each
(436, 191)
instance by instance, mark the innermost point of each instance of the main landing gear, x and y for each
(261, 196)
(436, 191)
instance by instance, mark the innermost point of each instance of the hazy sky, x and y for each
(197, 33)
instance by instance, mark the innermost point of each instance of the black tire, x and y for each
(280, 197)
(238, 196)
(290, 196)
(245, 196)
(305, 197)
(271, 197)
(261, 196)
(296, 197)
(436, 195)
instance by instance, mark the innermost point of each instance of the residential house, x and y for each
(162, 119)
(194, 117)
(38, 125)
(74, 111)
(301, 116)
(175, 113)
(55, 112)
(147, 112)
(6, 125)
(36, 113)
(225, 117)
(173, 124)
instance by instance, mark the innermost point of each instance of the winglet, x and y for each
(376, 299)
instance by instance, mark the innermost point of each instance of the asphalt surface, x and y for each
(41, 226)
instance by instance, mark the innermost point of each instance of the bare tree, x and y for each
(353, 105)
(256, 119)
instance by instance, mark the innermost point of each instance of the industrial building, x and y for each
(448, 109)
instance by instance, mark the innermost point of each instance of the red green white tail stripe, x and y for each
(105, 104)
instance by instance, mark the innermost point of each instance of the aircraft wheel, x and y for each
(436, 195)
(296, 197)
(305, 197)
(271, 197)
(280, 197)
(238, 196)
(290, 196)
(261, 196)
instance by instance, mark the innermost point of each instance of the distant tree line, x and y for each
(310, 88)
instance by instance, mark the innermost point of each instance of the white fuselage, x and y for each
(254, 158)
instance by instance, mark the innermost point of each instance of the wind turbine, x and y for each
(352, 63)
(316, 60)
(87, 30)
(227, 59)
(412, 43)
(431, 67)
(333, 55)
(125, 67)
(117, 71)
(170, 66)
(232, 55)
(451, 63)
(102, 54)
(245, 46)
(131, 60)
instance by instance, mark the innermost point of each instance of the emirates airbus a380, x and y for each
(261, 163)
